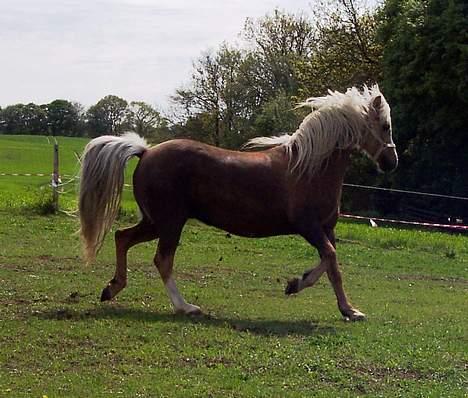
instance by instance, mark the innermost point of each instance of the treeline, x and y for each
(236, 93)
(110, 115)
(415, 49)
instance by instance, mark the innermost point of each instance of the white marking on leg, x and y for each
(177, 300)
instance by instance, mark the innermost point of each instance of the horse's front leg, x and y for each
(334, 275)
(328, 263)
(311, 276)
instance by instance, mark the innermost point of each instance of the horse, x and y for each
(288, 184)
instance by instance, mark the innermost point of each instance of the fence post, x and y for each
(55, 178)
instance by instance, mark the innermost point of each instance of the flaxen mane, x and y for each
(337, 121)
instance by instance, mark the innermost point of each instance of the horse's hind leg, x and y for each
(124, 240)
(164, 261)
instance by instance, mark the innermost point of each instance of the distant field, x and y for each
(34, 154)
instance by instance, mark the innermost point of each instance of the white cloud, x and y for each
(138, 49)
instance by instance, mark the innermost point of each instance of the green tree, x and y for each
(346, 53)
(144, 119)
(63, 118)
(251, 91)
(277, 116)
(229, 88)
(107, 116)
(196, 127)
(214, 92)
(11, 119)
(279, 41)
(426, 81)
(23, 119)
(81, 127)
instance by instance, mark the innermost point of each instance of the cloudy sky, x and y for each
(82, 50)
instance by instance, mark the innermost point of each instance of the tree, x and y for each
(229, 88)
(196, 127)
(12, 119)
(144, 119)
(63, 118)
(23, 119)
(277, 116)
(347, 52)
(425, 67)
(251, 91)
(279, 41)
(81, 127)
(107, 116)
(215, 93)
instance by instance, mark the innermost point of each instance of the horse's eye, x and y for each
(386, 126)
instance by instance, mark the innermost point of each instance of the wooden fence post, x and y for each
(55, 178)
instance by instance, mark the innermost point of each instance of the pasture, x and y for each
(57, 339)
(22, 154)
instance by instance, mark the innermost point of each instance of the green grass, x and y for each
(58, 340)
(34, 154)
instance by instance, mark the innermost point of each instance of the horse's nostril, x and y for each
(387, 165)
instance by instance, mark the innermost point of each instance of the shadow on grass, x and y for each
(264, 327)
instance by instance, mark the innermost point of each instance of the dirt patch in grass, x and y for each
(371, 378)
(378, 374)
(209, 362)
(205, 272)
(43, 257)
(430, 278)
(14, 267)
(24, 263)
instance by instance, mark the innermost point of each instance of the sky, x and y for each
(140, 50)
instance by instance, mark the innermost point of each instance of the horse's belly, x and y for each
(245, 217)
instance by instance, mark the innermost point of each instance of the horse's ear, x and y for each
(374, 108)
(377, 102)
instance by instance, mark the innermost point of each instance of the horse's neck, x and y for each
(334, 167)
(332, 175)
(337, 165)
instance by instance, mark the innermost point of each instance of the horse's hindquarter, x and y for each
(241, 192)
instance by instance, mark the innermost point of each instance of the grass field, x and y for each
(58, 340)
(23, 154)
(34, 155)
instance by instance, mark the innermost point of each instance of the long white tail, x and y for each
(101, 184)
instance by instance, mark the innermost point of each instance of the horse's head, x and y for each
(377, 141)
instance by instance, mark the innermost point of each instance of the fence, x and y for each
(405, 207)
(55, 181)
(360, 202)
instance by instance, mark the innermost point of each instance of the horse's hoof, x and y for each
(106, 294)
(354, 316)
(292, 287)
(190, 309)
(195, 312)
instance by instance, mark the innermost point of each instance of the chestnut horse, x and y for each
(292, 186)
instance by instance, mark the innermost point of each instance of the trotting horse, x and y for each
(292, 186)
